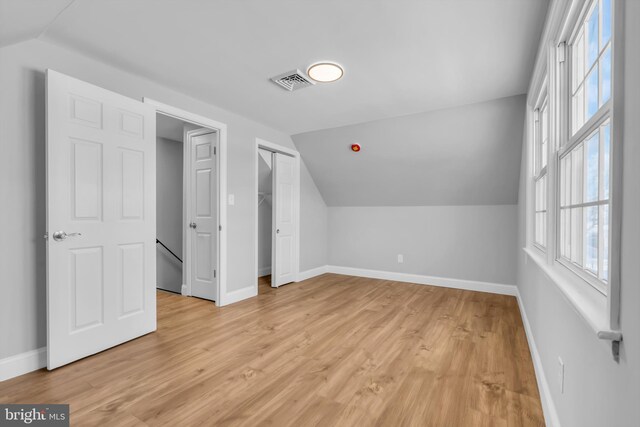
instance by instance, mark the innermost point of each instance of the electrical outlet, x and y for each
(561, 374)
(232, 199)
(400, 258)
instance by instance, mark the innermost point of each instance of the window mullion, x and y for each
(588, 128)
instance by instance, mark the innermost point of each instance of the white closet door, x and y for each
(283, 220)
(101, 271)
(204, 210)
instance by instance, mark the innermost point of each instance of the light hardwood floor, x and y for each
(331, 351)
(264, 285)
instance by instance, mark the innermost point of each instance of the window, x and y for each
(584, 204)
(541, 156)
(591, 65)
(575, 167)
(585, 161)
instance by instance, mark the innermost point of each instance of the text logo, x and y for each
(34, 415)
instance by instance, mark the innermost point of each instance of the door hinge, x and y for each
(562, 52)
(214, 274)
(220, 228)
(214, 151)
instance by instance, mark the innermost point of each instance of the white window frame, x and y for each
(540, 172)
(553, 71)
(569, 140)
(582, 271)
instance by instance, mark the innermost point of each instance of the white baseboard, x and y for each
(23, 363)
(469, 285)
(239, 295)
(308, 274)
(548, 407)
(264, 271)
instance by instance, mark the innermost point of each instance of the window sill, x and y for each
(590, 304)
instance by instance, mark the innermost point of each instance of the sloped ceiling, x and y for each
(400, 56)
(264, 172)
(409, 67)
(467, 155)
(26, 19)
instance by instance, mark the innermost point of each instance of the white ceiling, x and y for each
(169, 128)
(466, 155)
(26, 19)
(400, 56)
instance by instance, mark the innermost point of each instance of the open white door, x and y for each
(203, 197)
(283, 261)
(101, 219)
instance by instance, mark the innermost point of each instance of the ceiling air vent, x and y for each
(293, 80)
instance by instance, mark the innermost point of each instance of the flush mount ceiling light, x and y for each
(325, 72)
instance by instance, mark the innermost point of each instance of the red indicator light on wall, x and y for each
(355, 147)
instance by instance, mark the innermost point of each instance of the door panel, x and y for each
(86, 172)
(204, 210)
(283, 219)
(100, 184)
(131, 174)
(131, 267)
(203, 193)
(203, 252)
(87, 288)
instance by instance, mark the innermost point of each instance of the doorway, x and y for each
(277, 215)
(265, 218)
(186, 208)
(220, 254)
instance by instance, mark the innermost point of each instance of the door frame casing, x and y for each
(221, 159)
(276, 148)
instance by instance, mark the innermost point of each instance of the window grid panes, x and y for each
(584, 204)
(541, 211)
(540, 179)
(585, 172)
(591, 70)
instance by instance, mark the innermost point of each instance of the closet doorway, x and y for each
(277, 215)
(187, 207)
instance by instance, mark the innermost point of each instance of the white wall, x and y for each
(22, 182)
(598, 391)
(264, 238)
(314, 220)
(461, 242)
(169, 205)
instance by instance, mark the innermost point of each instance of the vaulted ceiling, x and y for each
(430, 87)
(466, 155)
(400, 56)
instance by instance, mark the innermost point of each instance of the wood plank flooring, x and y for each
(264, 285)
(330, 351)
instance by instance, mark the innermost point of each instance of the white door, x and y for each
(101, 272)
(204, 214)
(282, 267)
